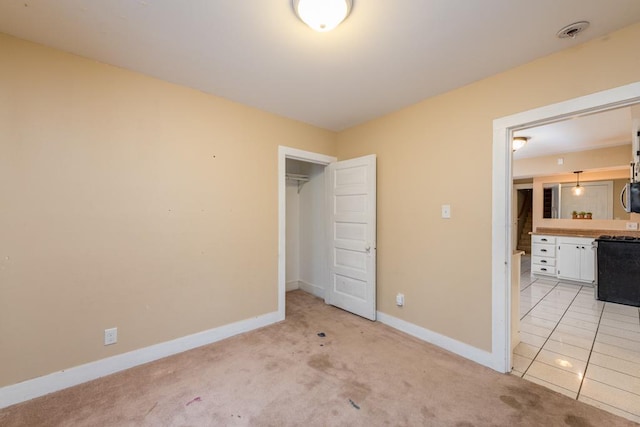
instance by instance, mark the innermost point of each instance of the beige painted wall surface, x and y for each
(128, 202)
(604, 158)
(440, 152)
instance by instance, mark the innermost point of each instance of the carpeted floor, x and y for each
(359, 373)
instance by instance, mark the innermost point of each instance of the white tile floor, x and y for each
(571, 343)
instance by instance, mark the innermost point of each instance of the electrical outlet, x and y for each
(110, 336)
(632, 226)
(400, 300)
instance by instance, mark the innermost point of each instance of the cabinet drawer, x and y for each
(543, 269)
(543, 250)
(543, 239)
(540, 260)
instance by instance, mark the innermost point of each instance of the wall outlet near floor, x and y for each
(110, 336)
(400, 300)
(632, 226)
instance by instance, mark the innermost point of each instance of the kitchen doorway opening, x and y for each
(502, 197)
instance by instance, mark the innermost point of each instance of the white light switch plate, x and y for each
(446, 211)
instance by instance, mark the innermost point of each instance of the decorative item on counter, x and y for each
(581, 215)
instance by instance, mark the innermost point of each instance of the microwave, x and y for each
(630, 197)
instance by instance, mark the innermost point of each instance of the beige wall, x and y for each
(440, 151)
(130, 202)
(604, 158)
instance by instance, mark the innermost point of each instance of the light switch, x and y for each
(446, 211)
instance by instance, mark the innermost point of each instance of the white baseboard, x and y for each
(30, 389)
(292, 285)
(312, 289)
(465, 350)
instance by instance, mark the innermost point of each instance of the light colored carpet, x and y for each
(360, 373)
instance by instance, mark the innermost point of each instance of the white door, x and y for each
(351, 235)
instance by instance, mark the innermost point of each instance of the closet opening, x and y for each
(305, 227)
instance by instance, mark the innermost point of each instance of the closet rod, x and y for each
(298, 177)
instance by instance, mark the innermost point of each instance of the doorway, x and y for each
(334, 231)
(308, 162)
(305, 221)
(503, 229)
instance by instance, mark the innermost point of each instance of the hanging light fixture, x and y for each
(518, 142)
(577, 190)
(322, 15)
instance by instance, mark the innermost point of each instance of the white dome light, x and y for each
(519, 142)
(322, 15)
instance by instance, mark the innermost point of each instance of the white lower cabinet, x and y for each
(576, 259)
(570, 258)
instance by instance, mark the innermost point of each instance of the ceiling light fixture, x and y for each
(577, 190)
(519, 142)
(322, 15)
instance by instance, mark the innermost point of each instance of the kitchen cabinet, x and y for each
(576, 259)
(543, 255)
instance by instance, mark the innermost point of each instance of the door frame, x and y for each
(285, 153)
(502, 191)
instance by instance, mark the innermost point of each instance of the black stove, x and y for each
(618, 269)
(618, 238)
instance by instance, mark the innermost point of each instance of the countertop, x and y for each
(578, 232)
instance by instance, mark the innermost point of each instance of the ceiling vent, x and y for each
(572, 30)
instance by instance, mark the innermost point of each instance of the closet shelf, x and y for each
(299, 178)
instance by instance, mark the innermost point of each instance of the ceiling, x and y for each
(589, 132)
(385, 56)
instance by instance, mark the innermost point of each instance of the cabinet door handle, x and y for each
(544, 261)
(583, 247)
(543, 250)
(543, 269)
(577, 247)
(543, 240)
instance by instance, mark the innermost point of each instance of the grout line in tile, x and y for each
(552, 331)
(612, 386)
(593, 343)
(611, 369)
(543, 297)
(610, 406)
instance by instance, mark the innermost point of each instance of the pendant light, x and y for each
(322, 15)
(577, 190)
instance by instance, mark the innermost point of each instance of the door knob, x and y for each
(367, 248)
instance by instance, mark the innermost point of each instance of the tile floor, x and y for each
(573, 344)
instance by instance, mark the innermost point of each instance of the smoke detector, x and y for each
(572, 30)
